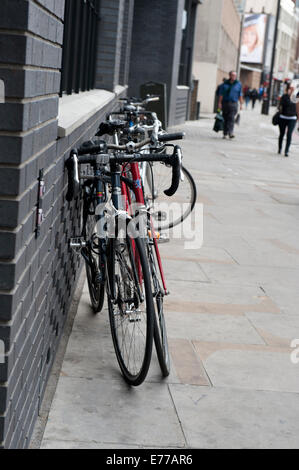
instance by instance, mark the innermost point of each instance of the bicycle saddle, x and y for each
(108, 127)
(130, 108)
(134, 131)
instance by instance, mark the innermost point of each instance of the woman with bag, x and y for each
(287, 118)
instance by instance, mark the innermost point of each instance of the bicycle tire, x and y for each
(129, 339)
(160, 333)
(96, 289)
(156, 183)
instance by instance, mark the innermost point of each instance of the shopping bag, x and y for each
(275, 119)
(218, 125)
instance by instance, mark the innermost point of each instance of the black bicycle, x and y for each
(116, 255)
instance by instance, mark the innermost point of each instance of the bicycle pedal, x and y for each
(77, 243)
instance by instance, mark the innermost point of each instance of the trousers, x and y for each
(229, 111)
(283, 125)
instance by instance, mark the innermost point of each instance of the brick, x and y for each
(12, 181)
(11, 211)
(13, 48)
(14, 81)
(28, 227)
(59, 8)
(12, 116)
(10, 243)
(44, 135)
(48, 4)
(20, 83)
(59, 33)
(8, 17)
(17, 149)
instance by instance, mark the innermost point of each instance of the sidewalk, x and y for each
(231, 316)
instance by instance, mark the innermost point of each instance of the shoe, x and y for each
(279, 151)
(286, 154)
(224, 137)
(232, 136)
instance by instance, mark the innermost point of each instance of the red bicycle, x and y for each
(127, 262)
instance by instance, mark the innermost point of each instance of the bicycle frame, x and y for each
(139, 197)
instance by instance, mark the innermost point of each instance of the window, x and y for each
(188, 27)
(79, 45)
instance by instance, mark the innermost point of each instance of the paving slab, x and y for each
(90, 352)
(212, 327)
(83, 408)
(77, 445)
(252, 368)
(226, 418)
(276, 330)
(231, 315)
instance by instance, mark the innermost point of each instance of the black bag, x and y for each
(275, 119)
(218, 126)
(237, 119)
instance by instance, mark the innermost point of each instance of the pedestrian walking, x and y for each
(253, 96)
(261, 92)
(230, 95)
(246, 94)
(289, 112)
(218, 90)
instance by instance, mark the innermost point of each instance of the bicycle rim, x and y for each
(132, 314)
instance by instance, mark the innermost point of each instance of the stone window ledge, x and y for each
(76, 109)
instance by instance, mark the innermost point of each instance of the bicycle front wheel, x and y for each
(160, 333)
(168, 212)
(131, 311)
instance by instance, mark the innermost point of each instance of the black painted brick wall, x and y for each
(156, 39)
(109, 43)
(126, 42)
(37, 276)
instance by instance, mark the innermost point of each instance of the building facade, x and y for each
(163, 38)
(286, 53)
(286, 42)
(63, 66)
(216, 50)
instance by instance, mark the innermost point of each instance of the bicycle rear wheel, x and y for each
(95, 285)
(131, 313)
(168, 212)
(93, 264)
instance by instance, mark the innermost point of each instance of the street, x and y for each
(232, 314)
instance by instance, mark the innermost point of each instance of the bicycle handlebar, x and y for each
(73, 176)
(129, 147)
(174, 136)
(139, 101)
(80, 157)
